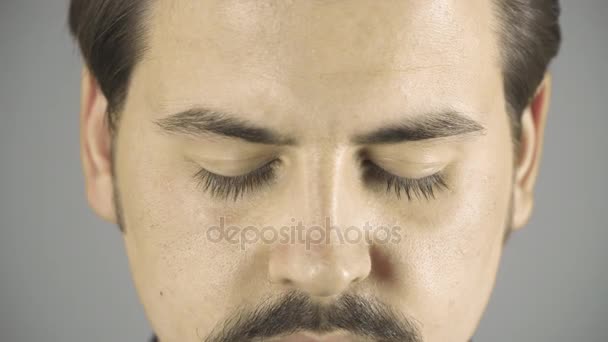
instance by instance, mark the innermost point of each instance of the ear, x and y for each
(95, 148)
(528, 161)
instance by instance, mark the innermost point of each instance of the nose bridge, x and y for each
(324, 176)
(319, 182)
(321, 261)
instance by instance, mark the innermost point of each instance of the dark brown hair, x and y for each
(112, 40)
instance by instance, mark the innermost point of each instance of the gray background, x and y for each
(64, 275)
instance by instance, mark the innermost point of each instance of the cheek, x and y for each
(170, 253)
(166, 222)
(455, 253)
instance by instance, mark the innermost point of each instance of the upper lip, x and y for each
(310, 337)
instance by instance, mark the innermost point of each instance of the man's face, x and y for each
(326, 77)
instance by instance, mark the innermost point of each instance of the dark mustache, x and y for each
(297, 312)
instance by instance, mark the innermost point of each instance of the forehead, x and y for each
(330, 54)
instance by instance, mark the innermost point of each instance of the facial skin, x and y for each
(321, 75)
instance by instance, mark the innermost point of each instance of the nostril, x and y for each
(327, 272)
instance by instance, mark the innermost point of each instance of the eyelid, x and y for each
(228, 160)
(405, 161)
(420, 169)
(442, 154)
(224, 187)
(253, 170)
(411, 187)
(231, 167)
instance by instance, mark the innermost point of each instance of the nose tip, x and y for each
(319, 274)
(324, 281)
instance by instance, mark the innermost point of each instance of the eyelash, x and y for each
(418, 187)
(224, 187)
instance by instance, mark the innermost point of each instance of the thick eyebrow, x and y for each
(424, 127)
(204, 121)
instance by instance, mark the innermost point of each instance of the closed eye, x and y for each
(225, 187)
(410, 187)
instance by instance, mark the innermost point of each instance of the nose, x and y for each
(319, 270)
(329, 262)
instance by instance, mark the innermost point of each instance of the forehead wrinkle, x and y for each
(436, 23)
(296, 77)
(352, 26)
(373, 72)
(283, 61)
